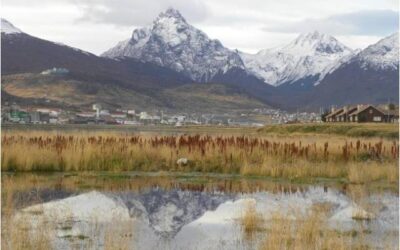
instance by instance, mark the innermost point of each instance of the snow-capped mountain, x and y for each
(371, 76)
(173, 43)
(24, 57)
(382, 55)
(312, 71)
(310, 56)
(8, 28)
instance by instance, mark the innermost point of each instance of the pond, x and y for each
(156, 211)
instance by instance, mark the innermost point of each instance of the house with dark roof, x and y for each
(367, 113)
(344, 115)
(332, 116)
(363, 113)
(391, 112)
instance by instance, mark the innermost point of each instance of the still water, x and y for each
(195, 212)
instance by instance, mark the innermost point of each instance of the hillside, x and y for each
(66, 91)
(125, 82)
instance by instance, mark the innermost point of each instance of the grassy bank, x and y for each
(389, 131)
(356, 160)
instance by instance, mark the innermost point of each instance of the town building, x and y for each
(363, 113)
(344, 115)
(332, 116)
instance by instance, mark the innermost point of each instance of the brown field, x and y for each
(357, 160)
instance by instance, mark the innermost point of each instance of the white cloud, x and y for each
(96, 25)
(138, 12)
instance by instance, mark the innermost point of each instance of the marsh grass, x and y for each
(251, 221)
(20, 235)
(40, 234)
(299, 230)
(21, 230)
(358, 160)
(16, 233)
(120, 235)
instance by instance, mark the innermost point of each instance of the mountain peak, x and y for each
(171, 28)
(8, 28)
(382, 55)
(309, 56)
(173, 43)
(316, 42)
(314, 35)
(170, 13)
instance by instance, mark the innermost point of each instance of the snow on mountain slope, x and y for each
(8, 28)
(371, 76)
(173, 43)
(382, 55)
(311, 54)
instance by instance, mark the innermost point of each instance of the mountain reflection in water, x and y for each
(192, 214)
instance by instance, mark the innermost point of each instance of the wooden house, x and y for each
(367, 113)
(332, 117)
(344, 115)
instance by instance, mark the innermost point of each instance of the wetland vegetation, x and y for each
(268, 190)
(357, 160)
(268, 214)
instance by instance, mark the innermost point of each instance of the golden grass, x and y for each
(251, 221)
(16, 233)
(369, 172)
(119, 236)
(357, 160)
(21, 231)
(300, 230)
(19, 236)
(295, 228)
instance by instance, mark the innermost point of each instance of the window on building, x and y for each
(377, 119)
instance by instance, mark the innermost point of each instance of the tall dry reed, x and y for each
(277, 156)
(300, 230)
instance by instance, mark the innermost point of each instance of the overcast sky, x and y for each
(247, 25)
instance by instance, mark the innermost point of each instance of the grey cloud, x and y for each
(368, 23)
